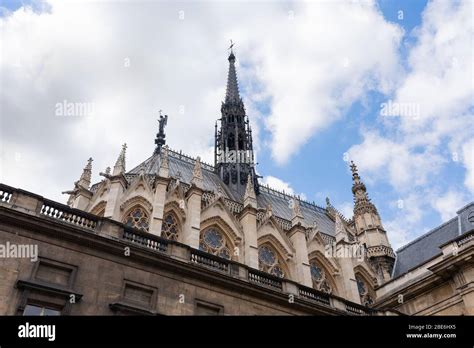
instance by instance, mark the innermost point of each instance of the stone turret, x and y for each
(369, 229)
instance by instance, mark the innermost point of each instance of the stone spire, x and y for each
(85, 180)
(370, 231)
(362, 202)
(234, 159)
(340, 230)
(197, 173)
(119, 167)
(232, 93)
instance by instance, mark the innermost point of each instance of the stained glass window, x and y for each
(319, 277)
(268, 261)
(137, 218)
(213, 242)
(364, 292)
(169, 227)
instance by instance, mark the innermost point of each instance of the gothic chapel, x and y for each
(177, 236)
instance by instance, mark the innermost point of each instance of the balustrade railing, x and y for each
(265, 279)
(209, 260)
(6, 193)
(145, 239)
(356, 310)
(314, 295)
(66, 214)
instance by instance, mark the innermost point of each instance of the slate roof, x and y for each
(425, 247)
(183, 164)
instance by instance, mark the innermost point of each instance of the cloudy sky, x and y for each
(388, 84)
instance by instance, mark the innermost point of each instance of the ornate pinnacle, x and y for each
(361, 199)
(297, 217)
(119, 167)
(85, 180)
(250, 198)
(296, 208)
(197, 173)
(163, 171)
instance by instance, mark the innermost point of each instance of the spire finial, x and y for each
(353, 167)
(231, 48)
(85, 179)
(160, 136)
(119, 167)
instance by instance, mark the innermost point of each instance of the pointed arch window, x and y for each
(269, 262)
(365, 292)
(170, 227)
(319, 277)
(212, 241)
(137, 217)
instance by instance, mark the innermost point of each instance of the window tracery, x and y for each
(269, 262)
(138, 218)
(213, 242)
(364, 291)
(170, 227)
(319, 277)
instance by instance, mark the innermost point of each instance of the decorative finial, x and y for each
(197, 173)
(250, 197)
(85, 179)
(328, 202)
(119, 167)
(354, 168)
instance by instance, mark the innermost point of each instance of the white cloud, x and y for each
(413, 153)
(346, 208)
(319, 67)
(468, 160)
(309, 67)
(405, 225)
(448, 204)
(277, 184)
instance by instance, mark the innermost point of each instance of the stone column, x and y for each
(159, 199)
(192, 225)
(303, 271)
(248, 219)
